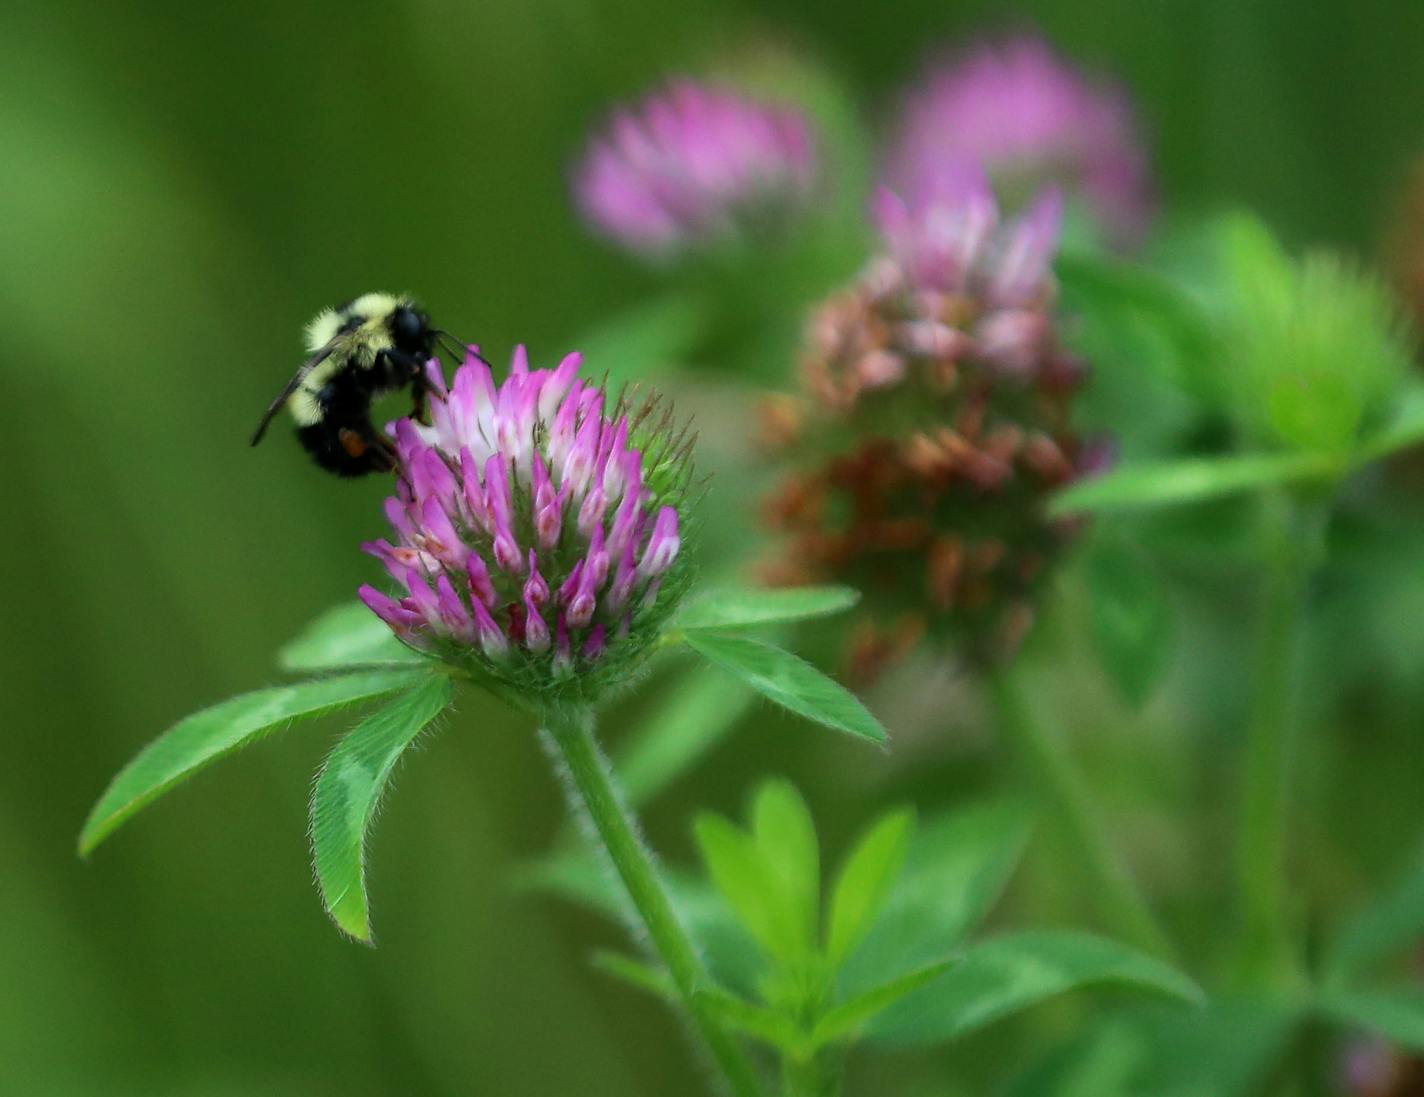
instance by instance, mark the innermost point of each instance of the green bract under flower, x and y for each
(538, 530)
(1319, 348)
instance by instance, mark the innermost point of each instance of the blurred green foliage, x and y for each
(183, 185)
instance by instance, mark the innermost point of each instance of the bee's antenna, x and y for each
(458, 348)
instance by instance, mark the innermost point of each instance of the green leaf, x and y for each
(742, 873)
(1157, 1049)
(848, 1017)
(635, 973)
(757, 1021)
(1404, 430)
(786, 835)
(791, 682)
(1129, 616)
(741, 608)
(1188, 480)
(697, 714)
(1154, 313)
(957, 867)
(1391, 925)
(346, 635)
(348, 789)
(864, 883)
(1396, 1014)
(204, 737)
(1009, 974)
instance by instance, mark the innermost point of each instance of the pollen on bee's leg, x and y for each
(352, 443)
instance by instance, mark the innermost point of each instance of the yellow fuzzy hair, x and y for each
(356, 348)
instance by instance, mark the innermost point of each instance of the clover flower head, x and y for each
(932, 425)
(537, 528)
(695, 165)
(1030, 118)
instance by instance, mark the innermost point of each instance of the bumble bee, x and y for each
(360, 351)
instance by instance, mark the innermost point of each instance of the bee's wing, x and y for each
(282, 397)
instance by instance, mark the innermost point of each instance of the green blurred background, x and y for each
(180, 187)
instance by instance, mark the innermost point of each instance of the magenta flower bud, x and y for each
(435, 379)
(453, 613)
(491, 638)
(623, 580)
(590, 516)
(581, 601)
(394, 560)
(442, 481)
(578, 466)
(561, 433)
(501, 508)
(570, 585)
(615, 472)
(627, 523)
(1031, 119)
(423, 599)
(510, 506)
(440, 538)
(481, 588)
(558, 385)
(473, 493)
(542, 486)
(549, 519)
(695, 166)
(396, 516)
(402, 621)
(409, 450)
(662, 545)
(536, 632)
(536, 590)
(597, 559)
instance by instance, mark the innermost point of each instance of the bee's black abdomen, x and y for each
(343, 441)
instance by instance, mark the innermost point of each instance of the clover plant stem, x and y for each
(594, 793)
(1266, 954)
(1121, 904)
(810, 1075)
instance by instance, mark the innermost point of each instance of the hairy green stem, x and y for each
(1266, 955)
(1119, 901)
(593, 792)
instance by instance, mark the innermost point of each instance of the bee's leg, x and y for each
(420, 395)
(409, 368)
(381, 455)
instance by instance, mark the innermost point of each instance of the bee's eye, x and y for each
(407, 325)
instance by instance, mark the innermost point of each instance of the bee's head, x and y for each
(410, 330)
